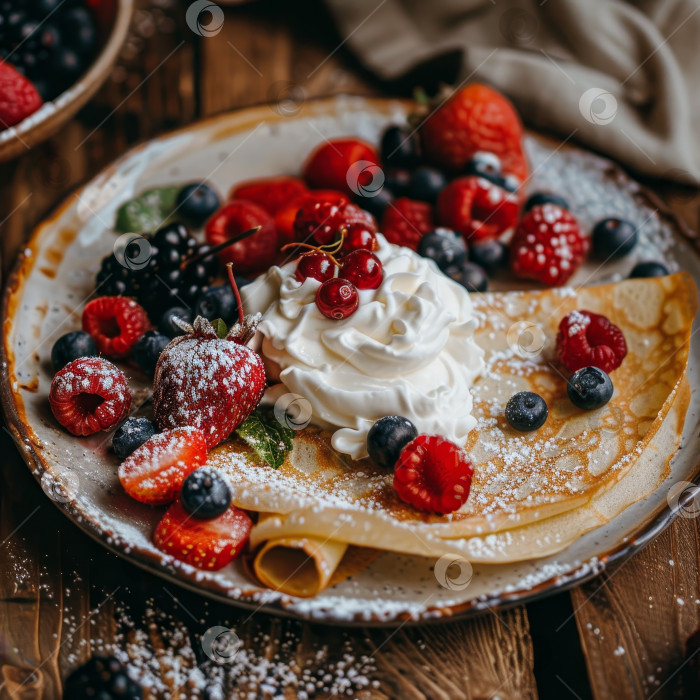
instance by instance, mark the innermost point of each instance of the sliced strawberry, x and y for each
(587, 339)
(329, 164)
(206, 544)
(271, 193)
(115, 324)
(406, 221)
(477, 208)
(253, 254)
(88, 395)
(433, 474)
(154, 472)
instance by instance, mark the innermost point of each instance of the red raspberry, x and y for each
(323, 220)
(206, 544)
(586, 339)
(115, 324)
(433, 474)
(88, 395)
(154, 472)
(329, 164)
(547, 245)
(478, 209)
(271, 193)
(406, 221)
(253, 254)
(18, 97)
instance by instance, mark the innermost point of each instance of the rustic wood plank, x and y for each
(634, 620)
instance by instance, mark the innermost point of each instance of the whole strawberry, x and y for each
(475, 118)
(207, 382)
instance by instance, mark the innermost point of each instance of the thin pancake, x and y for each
(519, 478)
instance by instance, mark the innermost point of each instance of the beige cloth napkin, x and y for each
(620, 77)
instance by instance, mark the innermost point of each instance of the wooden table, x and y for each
(620, 636)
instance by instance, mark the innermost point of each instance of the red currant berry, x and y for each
(337, 298)
(359, 236)
(316, 265)
(363, 269)
(320, 220)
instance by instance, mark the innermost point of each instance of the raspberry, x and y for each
(88, 395)
(18, 97)
(115, 324)
(587, 339)
(154, 472)
(406, 221)
(477, 208)
(547, 245)
(433, 474)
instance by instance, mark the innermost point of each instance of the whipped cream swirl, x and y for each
(408, 350)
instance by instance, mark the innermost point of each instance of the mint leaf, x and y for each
(267, 436)
(148, 211)
(220, 328)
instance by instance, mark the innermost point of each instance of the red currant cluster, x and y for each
(343, 261)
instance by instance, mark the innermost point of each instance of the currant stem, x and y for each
(218, 248)
(236, 293)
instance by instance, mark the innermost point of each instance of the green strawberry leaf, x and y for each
(267, 436)
(220, 328)
(147, 212)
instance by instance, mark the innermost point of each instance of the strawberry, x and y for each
(587, 339)
(433, 474)
(206, 544)
(323, 220)
(475, 118)
(88, 395)
(477, 208)
(18, 97)
(208, 382)
(547, 245)
(271, 193)
(253, 254)
(329, 164)
(115, 324)
(406, 221)
(154, 472)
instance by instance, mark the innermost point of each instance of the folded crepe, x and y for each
(532, 493)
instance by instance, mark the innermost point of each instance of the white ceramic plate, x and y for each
(55, 276)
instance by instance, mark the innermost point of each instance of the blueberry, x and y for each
(387, 437)
(79, 30)
(130, 435)
(589, 388)
(66, 65)
(484, 164)
(444, 246)
(426, 184)
(469, 275)
(613, 238)
(398, 182)
(103, 678)
(166, 325)
(205, 494)
(649, 269)
(398, 147)
(377, 204)
(70, 347)
(540, 198)
(196, 202)
(526, 411)
(491, 255)
(147, 350)
(217, 302)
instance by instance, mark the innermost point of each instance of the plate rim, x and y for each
(23, 435)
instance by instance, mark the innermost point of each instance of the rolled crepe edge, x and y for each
(298, 566)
